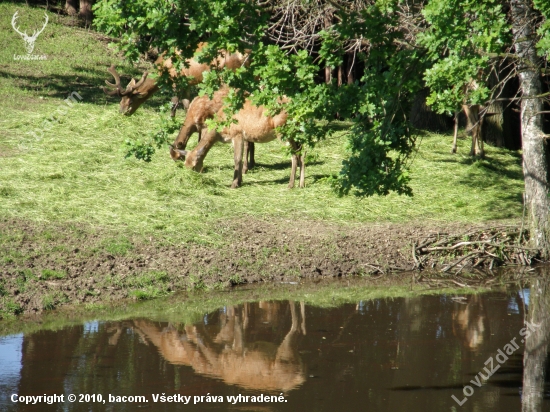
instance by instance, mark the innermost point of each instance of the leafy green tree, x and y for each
(467, 41)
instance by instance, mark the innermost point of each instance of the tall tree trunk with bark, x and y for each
(533, 142)
(86, 11)
(328, 24)
(492, 130)
(493, 124)
(71, 7)
(424, 118)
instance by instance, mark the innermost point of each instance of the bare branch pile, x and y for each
(482, 249)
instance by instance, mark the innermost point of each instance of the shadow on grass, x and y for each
(313, 179)
(85, 81)
(492, 165)
(259, 167)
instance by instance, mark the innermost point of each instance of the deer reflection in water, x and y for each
(229, 355)
(470, 323)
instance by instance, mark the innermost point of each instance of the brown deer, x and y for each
(475, 115)
(201, 109)
(252, 125)
(138, 92)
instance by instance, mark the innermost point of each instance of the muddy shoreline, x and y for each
(46, 266)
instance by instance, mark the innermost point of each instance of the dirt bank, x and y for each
(43, 266)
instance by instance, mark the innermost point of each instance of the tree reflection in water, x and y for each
(536, 346)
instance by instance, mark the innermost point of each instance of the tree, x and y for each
(85, 12)
(468, 42)
(535, 173)
(71, 7)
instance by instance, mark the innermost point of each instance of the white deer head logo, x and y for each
(29, 40)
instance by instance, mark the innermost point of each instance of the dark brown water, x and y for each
(404, 354)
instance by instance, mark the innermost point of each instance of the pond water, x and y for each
(412, 354)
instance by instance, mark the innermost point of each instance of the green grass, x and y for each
(52, 274)
(77, 171)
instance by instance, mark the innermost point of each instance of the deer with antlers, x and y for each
(138, 92)
(251, 125)
(29, 40)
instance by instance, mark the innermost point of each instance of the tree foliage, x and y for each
(380, 140)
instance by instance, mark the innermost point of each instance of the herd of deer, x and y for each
(251, 124)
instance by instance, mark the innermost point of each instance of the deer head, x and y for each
(29, 40)
(135, 93)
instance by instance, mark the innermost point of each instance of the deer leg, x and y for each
(294, 164)
(251, 150)
(293, 170)
(287, 353)
(480, 139)
(199, 132)
(175, 103)
(303, 312)
(302, 169)
(453, 149)
(237, 174)
(245, 156)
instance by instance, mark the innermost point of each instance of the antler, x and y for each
(119, 91)
(140, 82)
(13, 22)
(116, 86)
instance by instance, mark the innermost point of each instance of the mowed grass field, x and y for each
(76, 170)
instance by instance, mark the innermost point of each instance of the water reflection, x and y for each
(536, 346)
(227, 352)
(470, 323)
(409, 354)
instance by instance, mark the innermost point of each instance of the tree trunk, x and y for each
(71, 7)
(340, 75)
(328, 24)
(493, 121)
(424, 118)
(86, 11)
(493, 130)
(533, 142)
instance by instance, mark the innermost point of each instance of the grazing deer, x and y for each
(138, 92)
(29, 40)
(252, 125)
(201, 109)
